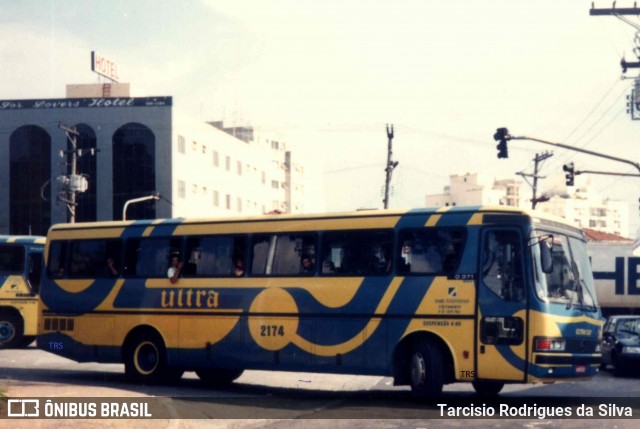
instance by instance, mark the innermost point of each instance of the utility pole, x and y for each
(391, 165)
(73, 182)
(539, 158)
(633, 104)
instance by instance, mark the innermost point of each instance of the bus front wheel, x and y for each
(216, 377)
(426, 369)
(145, 360)
(10, 330)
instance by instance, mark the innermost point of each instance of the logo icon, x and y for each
(23, 408)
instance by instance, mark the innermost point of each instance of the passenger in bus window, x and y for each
(450, 262)
(380, 263)
(174, 270)
(238, 267)
(306, 266)
(112, 271)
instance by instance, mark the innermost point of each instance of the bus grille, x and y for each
(58, 324)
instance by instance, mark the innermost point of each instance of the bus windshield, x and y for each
(571, 281)
(11, 259)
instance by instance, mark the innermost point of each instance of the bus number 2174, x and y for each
(271, 330)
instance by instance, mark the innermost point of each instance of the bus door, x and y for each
(502, 307)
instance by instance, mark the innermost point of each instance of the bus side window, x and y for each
(57, 259)
(431, 251)
(290, 251)
(284, 254)
(502, 264)
(35, 271)
(213, 256)
(260, 255)
(151, 257)
(359, 253)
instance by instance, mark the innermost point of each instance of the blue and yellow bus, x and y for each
(20, 270)
(487, 295)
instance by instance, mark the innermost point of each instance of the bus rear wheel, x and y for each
(487, 388)
(10, 330)
(216, 377)
(145, 360)
(426, 369)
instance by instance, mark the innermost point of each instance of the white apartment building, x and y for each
(233, 171)
(587, 209)
(590, 210)
(472, 189)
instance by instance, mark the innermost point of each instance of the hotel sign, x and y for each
(103, 66)
(67, 103)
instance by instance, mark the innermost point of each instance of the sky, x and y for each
(329, 76)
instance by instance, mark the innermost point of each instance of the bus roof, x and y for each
(443, 211)
(22, 239)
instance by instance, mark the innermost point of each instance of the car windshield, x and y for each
(571, 281)
(629, 326)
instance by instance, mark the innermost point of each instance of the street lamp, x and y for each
(154, 196)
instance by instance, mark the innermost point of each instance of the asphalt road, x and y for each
(296, 400)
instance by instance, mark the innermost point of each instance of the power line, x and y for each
(615, 83)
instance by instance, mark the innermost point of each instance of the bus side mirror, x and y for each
(546, 259)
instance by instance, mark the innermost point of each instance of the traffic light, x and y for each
(501, 136)
(570, 173)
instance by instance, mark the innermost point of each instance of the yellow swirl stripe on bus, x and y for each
(107, 303)
(360, 338)
(266, 226)
(74, 286)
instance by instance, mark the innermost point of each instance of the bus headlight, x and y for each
(550, 345)
(631, 350)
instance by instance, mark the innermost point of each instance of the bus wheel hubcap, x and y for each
(146, 358)
(6, 331)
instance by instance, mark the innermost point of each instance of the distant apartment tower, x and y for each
(472, 189)
(590, 210)
(583, 207)
(286, 174)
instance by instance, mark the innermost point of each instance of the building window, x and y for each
(133, 170)
(182, 189)
(29, 168)
(264, 178)
(227, 162)
(181, 144)
(275, 184)
(216, 199)
(216, 158)
(239, 204)
(239, 168)
(204, 150)
(228, 198)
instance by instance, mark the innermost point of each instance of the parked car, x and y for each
(621, 344)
